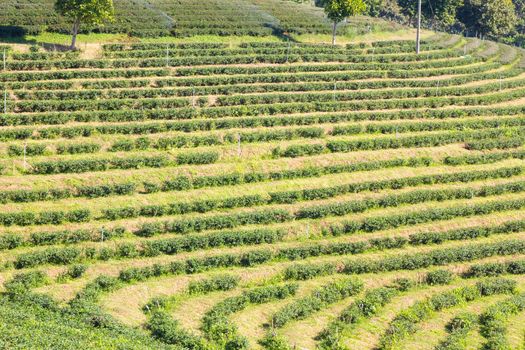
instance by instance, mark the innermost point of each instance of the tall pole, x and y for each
(418, 35)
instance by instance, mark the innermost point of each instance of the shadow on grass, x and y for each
(19, 35)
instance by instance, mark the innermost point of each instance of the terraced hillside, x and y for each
(181, 18)
(264, 195)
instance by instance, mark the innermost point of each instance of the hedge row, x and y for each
(373, 224)
(493, 321)
(289, 197)
(398, 183)
(327, 67)
(323, 96)
(30, 149)
(430, 140)
(200, 206)
(458, 329)
(221, 331)
(94, 191)
(516, 267)
(337, 106)
(319, 299)
(215, 222)
(369, 305)
(485, 158)
(12, 240)
(180, 141)
(219, 122)
(182, 182)
(44, 217)
(102, 164)
(21, 283)
(224, 59)
(170, 51)
(215, 283)
(37, 85)
(230, 220)
(424, 238)
(149, 248)
(165, 328)
(343, 79)
(412, 197)
(109, 104)
(405, 323)
(220, 85)
(499, 143)
(82, 74)
(436, 257)
(77, 148)
(194, 265)
(378, 143)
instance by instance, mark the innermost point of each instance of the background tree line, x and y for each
(502, 20)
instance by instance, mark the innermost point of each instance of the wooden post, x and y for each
(25, 151)
(288, 51)
(167, 55)
(239, 150)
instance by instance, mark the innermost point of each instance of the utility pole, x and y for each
(418, 35)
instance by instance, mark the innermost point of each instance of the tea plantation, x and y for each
(263, 195)
(183, 18)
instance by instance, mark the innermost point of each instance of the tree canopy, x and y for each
(338, 10)
(89, 12)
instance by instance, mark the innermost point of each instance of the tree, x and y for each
(338, 10)
(498, 17)
(90, 12)
(493, 18)
(442, 12)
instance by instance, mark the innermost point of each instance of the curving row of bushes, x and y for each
(373, 224)
(492, 322)
(405, 323)
(50, 194)
(402, 93)
(319, 299)
(280, 57)
(327, 67)
(288, 197)
(266, 216)
(221, 331)
(149, 248)
(219, 122)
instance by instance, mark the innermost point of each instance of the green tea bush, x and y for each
(326, 295)
(215, 283)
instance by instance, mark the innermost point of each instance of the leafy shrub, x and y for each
(215, 283)
(197, 158)
(439, 277)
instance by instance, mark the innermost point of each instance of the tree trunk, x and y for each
(334, 32)
(74, 32)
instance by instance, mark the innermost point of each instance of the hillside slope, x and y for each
(263, 195)
(182, 18)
